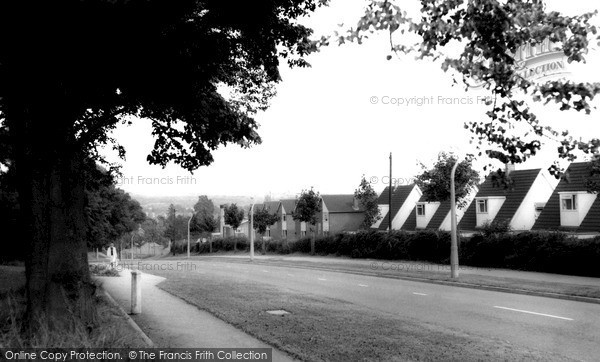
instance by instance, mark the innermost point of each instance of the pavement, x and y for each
(171, 322)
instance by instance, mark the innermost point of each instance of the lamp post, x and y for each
(453, 227)
(251, 231)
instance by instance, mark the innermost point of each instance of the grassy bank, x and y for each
(111, 330)
(324, 329)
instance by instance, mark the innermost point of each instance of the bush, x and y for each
(103, 270)
(496, 227)
(224, 244)
(494, 246)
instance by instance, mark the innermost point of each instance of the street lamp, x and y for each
(189, 221)
(251, 231)
(453, 227)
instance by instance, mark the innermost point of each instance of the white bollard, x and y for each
(136, 292)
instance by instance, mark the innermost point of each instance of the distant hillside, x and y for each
(158, 205)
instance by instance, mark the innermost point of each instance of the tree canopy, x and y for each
(367, 197)
(264, 219)
(487, 34)
(71, 71)
(204, 218)
(308, 205)
(234, 216)
(434, 182)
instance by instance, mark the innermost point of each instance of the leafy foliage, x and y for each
(154, 232)
(204, 218)
(496, 227)
(368, 199)
(488, 34)
(111, 212)
(308, 205)
(234, 216)
(175, 225)
(435, 182)
(264, 219)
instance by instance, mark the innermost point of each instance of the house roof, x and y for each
(440, 215)
(399, 196)
(256, 207)
(271, 206)
(574, 180)
(341, 203)
(288, 205)
(522, 182)
(411, 221)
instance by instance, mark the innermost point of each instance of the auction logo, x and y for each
(537, 62)
(543, 60)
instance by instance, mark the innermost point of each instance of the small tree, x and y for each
(308, 205)
(435, 181)
(262, 220)
(233, 217)
(204, 220)
(368, 199)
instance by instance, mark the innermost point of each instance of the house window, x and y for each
(569, 202)
(482, 206)
(284, 233)
(303, 233)
(284, 217)
(269, 233)
(420, 210)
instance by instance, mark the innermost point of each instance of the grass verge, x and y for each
(111, 331)
(326, 329)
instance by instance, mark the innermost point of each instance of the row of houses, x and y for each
(534, 200)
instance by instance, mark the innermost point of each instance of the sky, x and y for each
(332, 123)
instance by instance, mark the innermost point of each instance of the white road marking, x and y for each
(265, 271)
(363, 285)
(415, 293)
(290, 275)
(526, 311)
(322, 279)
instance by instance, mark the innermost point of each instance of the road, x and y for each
(568, 328)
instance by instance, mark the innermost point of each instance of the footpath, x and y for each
(171, 322)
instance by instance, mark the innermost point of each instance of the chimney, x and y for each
(355, 205)
(508, 168)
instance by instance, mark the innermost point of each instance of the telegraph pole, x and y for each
(390, 199)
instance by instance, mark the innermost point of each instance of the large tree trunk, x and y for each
(52, 197)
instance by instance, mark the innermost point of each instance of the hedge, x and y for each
(552, 252)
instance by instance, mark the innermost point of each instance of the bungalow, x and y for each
(404, 198)
(244, 229)
(285, 223)
(273, 230)
(520, 203)
(571, 207)
(339, 213)
(436, 215)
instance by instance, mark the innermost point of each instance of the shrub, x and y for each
(103, 270)
(496, 227)
(225, 244)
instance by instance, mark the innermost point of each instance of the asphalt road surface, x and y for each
(568, 328)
